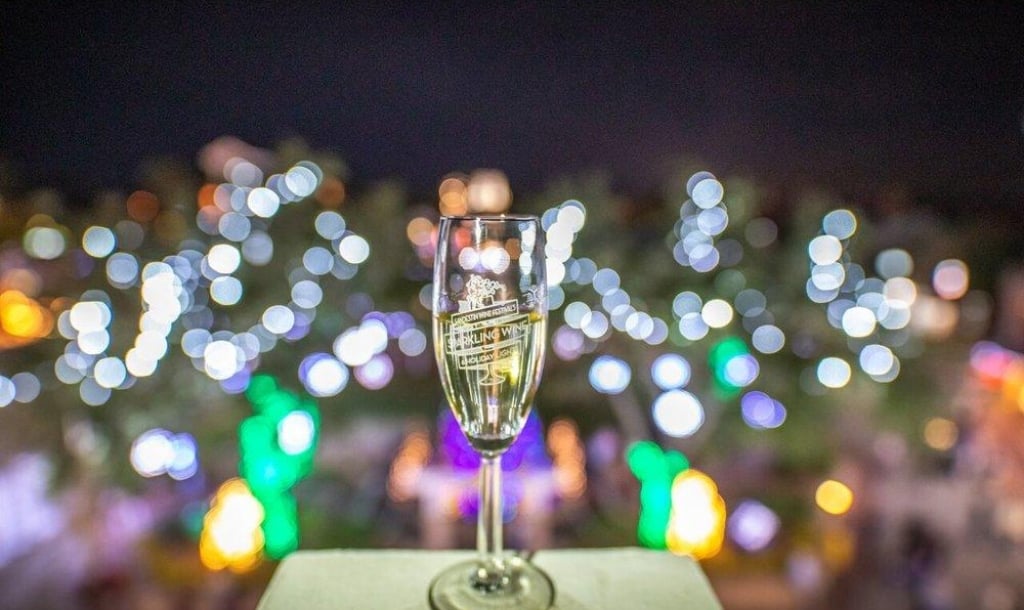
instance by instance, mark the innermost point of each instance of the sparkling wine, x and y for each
(490, 360)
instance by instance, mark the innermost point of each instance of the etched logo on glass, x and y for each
(487, 335)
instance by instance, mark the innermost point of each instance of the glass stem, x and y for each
(491, 572)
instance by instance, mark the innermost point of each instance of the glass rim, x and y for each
(491, 217)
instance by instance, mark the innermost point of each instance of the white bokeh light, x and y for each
(263, 202)
(301, 181)
(707, 193)
(741, 370)
(7, 391)
(221, 359)
(354, 249)
(717, 313)
(326, 376)
(693, 327)
(226, 290)
(90, 316)
(110, 372)
(768, 339)
(609, 375)
(26, 387)
(876, 359)
(98, 242)
(840, 223)
(329, 225)
(670, 371)
(296, 432)
(858, 322)
(825, 249)
(307, 294)
(678, 413)
(278, 319)
(833, 372)
(224, 258)
(152, 452)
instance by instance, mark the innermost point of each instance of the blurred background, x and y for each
(787, 293)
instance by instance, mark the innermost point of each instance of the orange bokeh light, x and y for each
(331, 193)
(204, 197)
(143, 206)
(452, 195)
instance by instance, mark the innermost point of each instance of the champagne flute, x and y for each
(490, 315)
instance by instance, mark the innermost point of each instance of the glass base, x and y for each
(528, 588)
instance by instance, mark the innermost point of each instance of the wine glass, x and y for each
(490, 315)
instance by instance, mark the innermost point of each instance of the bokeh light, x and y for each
(833, 497)
(568, 458)
(44, 243)
(609, 375)
(876, 359)
(488, 192)
(224, 258)
(678, 413)
(753, 526)
(717, 313)
(7, 391)
(98, 242)
(110, 372)
(670, 371)
(26, 387)
(950, 279)
(226, 290)
(354, 249)
(940, 433)
(833, 372)
(323, 375)
(697, 524)
(768, 339)
(841, 224)
(858, 322)
(894, 262)
(825, 249)
(231, 536)
(296, 432)
(761, 411)
(376, 373)
(278, 319)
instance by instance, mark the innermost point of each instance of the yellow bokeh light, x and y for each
(22, 317)
(232, 537)
(834, 497)
(696, 525)
(940, 433)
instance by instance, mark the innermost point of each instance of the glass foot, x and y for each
(528, 588)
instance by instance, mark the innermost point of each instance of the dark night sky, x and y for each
(850, 95)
